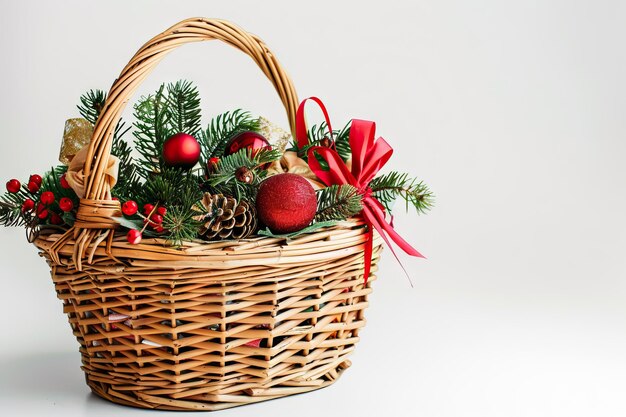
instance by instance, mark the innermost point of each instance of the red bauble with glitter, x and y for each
(181, 151)
(286, 203)
(246, 140)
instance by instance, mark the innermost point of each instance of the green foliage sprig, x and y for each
(223, 180)
(338, 202)
(221, 129)
(387, 188)
(319, 133)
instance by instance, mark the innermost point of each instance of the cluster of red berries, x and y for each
(46, 199)
(152, 217)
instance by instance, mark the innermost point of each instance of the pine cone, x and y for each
(225, 218)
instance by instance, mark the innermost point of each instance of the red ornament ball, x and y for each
(66, 204)
(133, 236)
(286, 203)
(28, 205)
(129, 208)
(181, 151)
(246, 140)
(13, 186)
(47, 198)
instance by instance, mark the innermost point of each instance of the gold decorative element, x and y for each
(292, 163)
(275, 135)
(76, 177)
(76, 135)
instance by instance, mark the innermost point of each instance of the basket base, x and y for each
(211, 402)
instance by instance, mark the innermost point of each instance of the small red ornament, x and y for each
(64, 182)
(56, 219)
(36, 178)
(28, 205)
(286, 203)
(181, 151)
(147, 209)
(47, 198)
(133, 236)
(66, 204)
(162, 210)
(246, 140)
(33, 187)
(129, 208)
(13, 186)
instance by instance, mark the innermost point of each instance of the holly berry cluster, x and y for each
(180, 181)
(47, 200)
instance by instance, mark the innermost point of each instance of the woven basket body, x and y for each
(210, 325)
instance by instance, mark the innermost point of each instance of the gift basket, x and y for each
(206, 268)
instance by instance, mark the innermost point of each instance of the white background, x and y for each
(512, 111)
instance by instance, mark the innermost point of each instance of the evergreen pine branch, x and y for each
(337, 202)
(181, 225)
(387, 188)
(91, 104)
(11, 211)
(90, 107)
(222, 128)
(223, 180)
(151, 131)
(318, 133)
(183, 105)
(173, 187)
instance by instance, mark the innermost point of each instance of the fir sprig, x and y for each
(90, 107)
(223, 180)
(91, 104)
(317, 135)
(221, 129)
(183, 105)
(387, 188)
(173, 187)
(338, 202)
(181, 225)
(151, 130)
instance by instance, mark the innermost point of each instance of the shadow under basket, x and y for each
(219, 324)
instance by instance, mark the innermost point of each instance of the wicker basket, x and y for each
(210, 325)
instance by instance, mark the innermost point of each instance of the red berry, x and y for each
(13, 186)
(36, 178)
(64, 182)
(28, 205)
(133, 236)
(55, 218)
(66, 204)
(47, 197)
(157, 218)
(147, 209)
(162, 210)
(158, 229)
(214, 160)
(129, 208)
(33, 187)
(42, 213)
(115, 199)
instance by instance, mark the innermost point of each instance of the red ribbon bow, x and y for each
(368, 157)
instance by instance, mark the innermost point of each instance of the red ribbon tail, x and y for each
(369, 251)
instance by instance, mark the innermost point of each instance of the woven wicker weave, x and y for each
(209, 325)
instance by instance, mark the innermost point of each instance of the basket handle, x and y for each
(97, 189)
